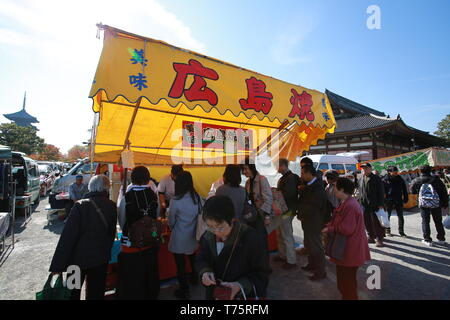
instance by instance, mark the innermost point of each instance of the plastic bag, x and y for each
(446, 222)
(383, 217)
(57, 292)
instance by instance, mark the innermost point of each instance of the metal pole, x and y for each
(13, 207)
(92, 143)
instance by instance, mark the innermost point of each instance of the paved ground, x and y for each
(409, 270)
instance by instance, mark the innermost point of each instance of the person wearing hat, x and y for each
(371, 197)
(77, 191)
(396, 195)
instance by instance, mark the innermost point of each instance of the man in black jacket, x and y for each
(87, 239)
(312, 213)
(396, 195)
(371, 197)
(434, 211)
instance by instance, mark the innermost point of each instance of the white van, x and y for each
(83, 168)
(342, 164)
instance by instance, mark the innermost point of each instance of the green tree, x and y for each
(23, 139)
(443, 130)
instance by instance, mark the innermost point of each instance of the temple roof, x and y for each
(22, 118)
(352, 117)
(362, 122)
(21, 115)
(350, 106)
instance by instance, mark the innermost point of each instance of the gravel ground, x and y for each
(409, 270)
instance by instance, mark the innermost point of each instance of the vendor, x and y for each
(166, 188)
(77, 191)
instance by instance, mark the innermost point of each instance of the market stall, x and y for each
(409, 163)
(168, 105)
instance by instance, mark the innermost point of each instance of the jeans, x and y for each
(346, 282)
(398, 206)
(437, 218)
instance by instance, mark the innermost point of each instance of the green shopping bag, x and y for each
(57, 292)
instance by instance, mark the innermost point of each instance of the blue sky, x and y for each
(49, 48)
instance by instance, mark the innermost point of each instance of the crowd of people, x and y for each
(231, 258)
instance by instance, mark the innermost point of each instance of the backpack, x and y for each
(428, 197)
(147, 231)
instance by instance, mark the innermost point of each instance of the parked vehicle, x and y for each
(26, 172)
(47, 179)
(83, 167)
(342, 164)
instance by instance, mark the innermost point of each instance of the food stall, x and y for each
(409, 163)
(168, 105)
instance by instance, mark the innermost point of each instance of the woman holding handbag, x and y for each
(183, 211)
(350, 249)
(231, 260)
(260, 195)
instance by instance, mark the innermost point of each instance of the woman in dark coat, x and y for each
(246, 274)
(138, 277)
(87, 239)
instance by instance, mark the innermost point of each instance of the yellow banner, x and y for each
(134, 67)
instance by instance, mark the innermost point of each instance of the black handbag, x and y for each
(335, 245)
(250, 213)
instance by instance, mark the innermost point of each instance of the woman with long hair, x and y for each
(183, 211)
(260, 194)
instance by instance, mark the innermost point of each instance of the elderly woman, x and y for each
(331, 176)
(230, 253)
(348, 221)
(87, 238)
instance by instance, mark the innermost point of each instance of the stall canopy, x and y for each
(411, 161)
(166, 103)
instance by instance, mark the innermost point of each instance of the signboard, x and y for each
(414, 160)
(204, 135)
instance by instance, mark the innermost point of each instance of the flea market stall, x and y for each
(409, 163)
(166, 105)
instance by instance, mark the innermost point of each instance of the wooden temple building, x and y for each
(360, 128)
(22, 118)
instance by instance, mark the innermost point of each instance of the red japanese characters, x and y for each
(198, 91)
(301, 105)
(258, 99)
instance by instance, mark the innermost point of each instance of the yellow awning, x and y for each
(172, 105)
